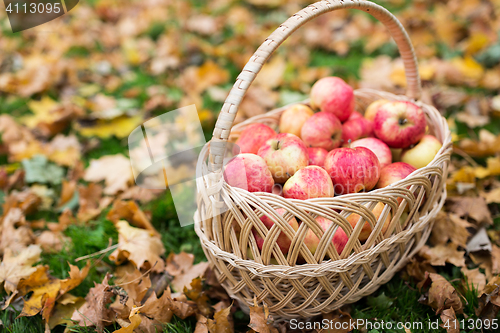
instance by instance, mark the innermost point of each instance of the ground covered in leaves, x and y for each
(72, 90)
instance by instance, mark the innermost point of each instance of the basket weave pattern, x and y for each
(300, 284)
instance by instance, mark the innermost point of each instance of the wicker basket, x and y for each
(300, 284)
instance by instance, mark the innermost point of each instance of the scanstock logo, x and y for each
(26, 14)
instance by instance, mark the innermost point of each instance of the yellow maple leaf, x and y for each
(42, 112)
(135, 321)
(468, 67)
(120, 127)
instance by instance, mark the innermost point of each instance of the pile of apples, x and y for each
(327, 149)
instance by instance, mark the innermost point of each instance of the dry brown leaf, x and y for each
(16, 233)
(488, 145)
(450, 227)
(441, 293)
(441, 254)
(140, 246)
(197, 294)
(115, 170)
(15, 267)
(417, 267)
(201, 324)
(489, 301)
(91, 202)
(67, 192)
(475, 278)
(495, 259)
(474, 208)
(52, 241)
(492, 196)
(260, 321)
(130, 211)
(450, 322)
(181, 267)
(94, 312)
(220, 323)
(76, 276)
(140, 194)
(157, 308)
(135, 321)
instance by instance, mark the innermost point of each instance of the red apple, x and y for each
(310, 182)
(293, 118)
(355, 115)
(378, 147)
(317, 156)
(355, 129)
(399, 124)
(339, 237)
(283, 241)
(284, 154)
(394, 172)
(372, 109)
(323, 130)
(352, 169)
(332, 94)
(366, 230)
(423, 152)
(253, 137)
(249, 172)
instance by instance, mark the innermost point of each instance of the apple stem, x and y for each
(349, 143)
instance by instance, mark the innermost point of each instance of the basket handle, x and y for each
(254, 65)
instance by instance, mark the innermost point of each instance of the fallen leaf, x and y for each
(220, 323)
(140, 246)
(131, 212)
(44, 290)
(338, 321)
(90, 202)
(474, 208)
(65, 306)
(491, 197)
(479, 242)
(260, 321)
(52, 241)
(76, 276)
(135, 321)
(94, 311)
(67, 192)
(495, 259)
(15, 267)
(15, 232)
(475, 278)
(157, 308)
(450, 322)
(441, 254)
(197, 294)
(450, 227)
(441, 295)
(63, 150)
(489, 301)
(39, 170)
(119, 127)
(417, 267)
(115, 170)
(201, 324)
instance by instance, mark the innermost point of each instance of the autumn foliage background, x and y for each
(72, 90)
